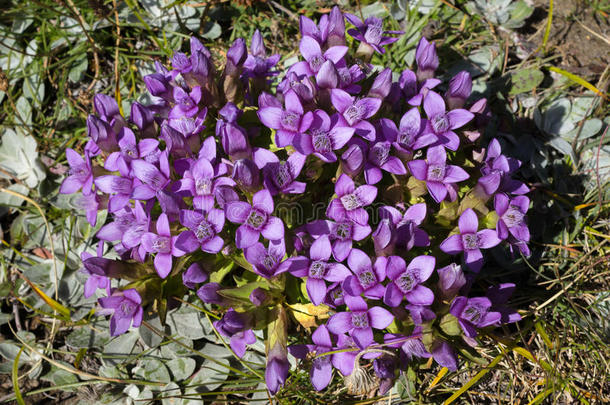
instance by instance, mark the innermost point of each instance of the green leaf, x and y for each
(523, 81)
(150, 338)
(212, 30)
(188, 322)
(182, 368)
(18, 155)
(210, 376)
(450, 325)
(79, 67)
(152, 370)
(119, 348)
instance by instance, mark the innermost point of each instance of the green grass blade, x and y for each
(15, 377)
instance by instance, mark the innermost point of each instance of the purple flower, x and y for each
(317, 269)
(102, 134)
(354, 157)
(330, 30)
(128, 226)
(203, 231)
(130, 149)
(499, 295)
(367, 278)
(194, 275)
(94, 281)
(201, 181)
(256, 219)
(89, 203)
(473, 313)
(186, 103)
(321, 370)
(257, 64)
(233, 137)
(106, 107)
(341, 234)
(350, 201)
(324, 136)
(459, 90)
(359, 323)
(400, 229)
(287, 122)
(163, 244)
(279, 176)
(371, 32)
(450, 280)
(152, 178)
(208, 293)
(246, 174)
(409, 136)
(126, 310)
(258, 297)
(120, 187)
(511, 219)
(236, 56)
(496, 172)
(426, 58)
(441, 123)
(356, 112)
(268, 262)
(470, 241)
(236, 326)
(382, 84)
(412, 90)
(379, 159)
(189, 126)
(385, 370)
(81, 174)
(314, 58)
(300, 84)
(407, 280)
(438, 175)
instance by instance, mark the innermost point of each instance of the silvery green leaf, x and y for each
(24, 110)
(398, 10)
(174, 350)
(562, 146)
(487, 59)
(588, 129)
(19, 157)
(59, 376)
(9, 351)
(423, 6)
(188, 322)
(582, 107)
(152, 370)
(21, 22)
(132, 391)
(171, 389)
(181, 368)
(520, 12)
(216, 351)
(119, 348)
(150, 338)
(11, 55)
(212, 30)
(211, 375)
(554, 120)
(377, 9)
(8, 201)
(73, 28)
(78, 69)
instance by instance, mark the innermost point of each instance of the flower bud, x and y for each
(426, 58)
(246, 174)
(106, 107)
(450, 280)
(460, 87)
(353, 159)
(102, 134)
(382, 84)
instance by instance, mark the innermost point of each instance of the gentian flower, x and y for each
(194, 275)
(314, 58)
(233, 137)
(438, 175)
(459, 90)
(287, 122)
(499, 295)
(341, 234)
(450, 280)
(268, 261)
(317, 269)
(359, 323)
(382, 84)
(201, 181)
(280, 176)
(324, 136)
(203, 231)
(400, 229)
(121, 187)
(81, 174)
(246, 174)
(473, 313)
(257, 64)
(153, 180)
(407, 280)
(300, 84)
(354, 157)
(102, 134)
(426, 58)
(94, 280)
(321, 370)
(356, 112)
(511, 219)
(130, 149)
(367, 278)
(370, 32)
(89, 203)
(350, 201)
(186, 103)
(256, 219)
(385, 370)
(470, 241)
(441, 123)
(163, 244)
(409, 136)
(236, 326)
(208, 293)
(379, 159)
(496, 172)
(126, 310)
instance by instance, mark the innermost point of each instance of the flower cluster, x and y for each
(198, 177)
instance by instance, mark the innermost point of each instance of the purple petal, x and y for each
(274, 229)
(352, 286)
(370, 105)
(452, 245)
(393, 296)
(355, 304)
(345, 185)
(468, 222)
(337, 273)
(425, 265)
(321, 374)
(316, 290)
(454, 174)
(420, 295)
(270, 117)
(395, 166)
(419, 169)
(237, 211)
(320, 249)
(488, 238)
(458, 118)
(341, 100)
(245, 237)
(340, 323)
(380, 318)
(363, 337)
(474, 259)
(309, 48)
(163, 264)
(437, 190)
(434, 104)
(444, 355)
(341, 249)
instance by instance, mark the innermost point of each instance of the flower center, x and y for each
(124, 221)
(373, 33)
(440, 123)
(131, 151)
(316, 62)
(436, 172)
(269, 262)
(290, 120)
(121, 185)
(343, 231)
(162, 244)
(350, 201)
(513, 216)
(153, 179)
(203, 186)
(281, 175)
(321, 141)
(317, 269)
(80, 171)
(354, 113)
(379, 153)
(471, 241)
(360, 319)
(336, 294)
(367, 278)
(345, 77)
(407, 281)
(256, 219)
(127, 308)
(204, 231)
(473, 313)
